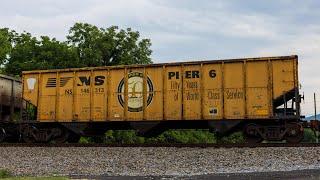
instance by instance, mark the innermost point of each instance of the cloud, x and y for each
(151, 15)
(170, 19)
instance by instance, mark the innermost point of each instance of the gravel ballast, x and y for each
(148, 161)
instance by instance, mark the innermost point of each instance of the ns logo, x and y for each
(82, 81)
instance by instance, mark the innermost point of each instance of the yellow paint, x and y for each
(210, 90)
(234, 94)
(262, 112)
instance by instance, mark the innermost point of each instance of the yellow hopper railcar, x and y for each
(257, 95)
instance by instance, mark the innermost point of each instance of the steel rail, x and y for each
(176, 145)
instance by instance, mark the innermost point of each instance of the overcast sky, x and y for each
(191, 29)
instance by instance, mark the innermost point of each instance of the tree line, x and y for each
(86, 45)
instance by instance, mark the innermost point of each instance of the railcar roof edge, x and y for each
(10, 78)
(162, 64)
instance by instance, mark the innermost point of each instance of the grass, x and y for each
(309, 136)
(6, 174)
(37, 178)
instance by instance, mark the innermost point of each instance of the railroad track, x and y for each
(178, 145)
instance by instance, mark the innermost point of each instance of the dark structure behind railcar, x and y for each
(10, 98)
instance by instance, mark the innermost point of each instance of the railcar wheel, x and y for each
(62, 137)
(28, 134)
(28, 139)
(294, 133)
(3, 134)
(73, 138)
(251, 134)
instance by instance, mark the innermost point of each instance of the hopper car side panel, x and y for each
(258, 87)
(211, 90)
(234, 92)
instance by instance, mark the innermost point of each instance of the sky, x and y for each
(191, 29)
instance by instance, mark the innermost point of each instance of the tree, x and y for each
(86, 45)
(5, 44)
(29, 53)
(110, 46)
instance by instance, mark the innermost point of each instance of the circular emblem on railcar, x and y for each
(135, 91)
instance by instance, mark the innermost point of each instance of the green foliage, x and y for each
(86, 45)
(85, 140)
(180, 136)
(94, 139)
(5, 173)
(37, 178)
(5, 44)
(30, 53)
(309, 136)
(236, 137)
(109, 46)
(123, 136)
(184, 136)
(170, 136)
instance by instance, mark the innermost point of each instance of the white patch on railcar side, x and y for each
(31, 83)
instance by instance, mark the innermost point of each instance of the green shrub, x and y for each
(188, 136)
(37, 178)
(123, 137)
(192, 136)
(309, 136)
(236, 137)
(94, 139)
(176, 136)
(84, 140)
(5, 173)
(170, 136)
